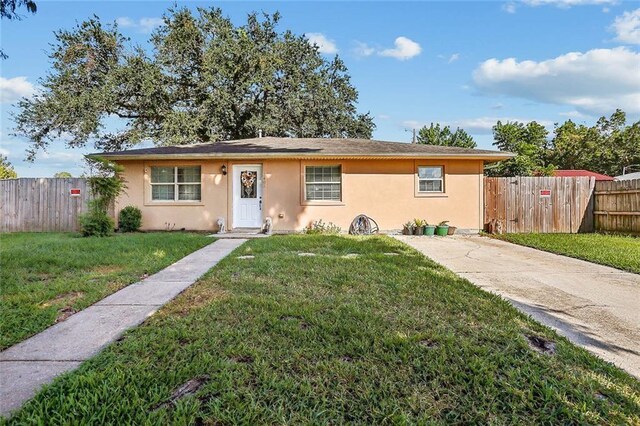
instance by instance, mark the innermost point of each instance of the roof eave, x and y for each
(298, 156)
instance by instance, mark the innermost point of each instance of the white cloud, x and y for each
(404, 49)
(475, 126)
(566, 3)
(573, 114)
(363, 49)
(483, 125)
(324, 44)
(453, 58)
(143, 25)
(149, 24)
(125, 21)
(627, 27)
(497, 106)
(56, 158)
(12, 89)
(509, 7)
(597, 81)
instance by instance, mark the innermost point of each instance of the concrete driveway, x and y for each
(594, 306)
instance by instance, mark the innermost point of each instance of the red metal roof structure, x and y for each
(576, 173)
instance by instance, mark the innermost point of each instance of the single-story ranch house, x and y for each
(297, 181)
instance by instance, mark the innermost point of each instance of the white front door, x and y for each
(247, 196)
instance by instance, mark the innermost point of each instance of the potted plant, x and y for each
(452, 230)
(429, 229)
(407, 228)
(443, 228)
(418, 226)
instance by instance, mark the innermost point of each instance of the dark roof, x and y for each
(303, 148)
(573, 173)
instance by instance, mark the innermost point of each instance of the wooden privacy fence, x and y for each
(617, 206)
(539, 204)
(42, 204)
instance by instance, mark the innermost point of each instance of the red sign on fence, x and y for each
(545, 193)
(74, 192)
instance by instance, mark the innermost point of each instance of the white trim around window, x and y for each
(322, 184)
(430, 179)
(175, 184)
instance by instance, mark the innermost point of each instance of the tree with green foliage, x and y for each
(528, 142)
(605, 147)
(62, 175)
(205, 79)
(106, 184)
(435, 135)
(6, 168)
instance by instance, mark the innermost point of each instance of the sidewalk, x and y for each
(28, 365)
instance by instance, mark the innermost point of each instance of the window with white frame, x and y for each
(175, 183)
(430, 179)
(323, 183)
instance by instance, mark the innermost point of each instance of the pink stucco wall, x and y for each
(382, 189)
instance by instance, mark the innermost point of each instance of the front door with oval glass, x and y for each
(247, 196)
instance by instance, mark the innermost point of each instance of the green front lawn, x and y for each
(45, 277)
(350, 335)
(612, 250)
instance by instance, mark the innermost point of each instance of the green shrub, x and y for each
(106, 185)
(96, 224)
(319, 227)
(130, 219)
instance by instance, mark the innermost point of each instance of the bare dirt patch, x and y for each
(242, 359)
(302, 323)
(65, 313)
(186, 389)
(63, 299)
(541, 345)
(290, 318)
(192, 300)
(429, 344)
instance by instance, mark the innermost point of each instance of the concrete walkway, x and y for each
(25, 367)
(594, 306)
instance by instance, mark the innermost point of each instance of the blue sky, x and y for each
(466, 64)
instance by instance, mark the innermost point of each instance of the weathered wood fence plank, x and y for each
(540, 204)
(617, 206)
(42, 204)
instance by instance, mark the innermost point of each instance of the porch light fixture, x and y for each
(224, 170)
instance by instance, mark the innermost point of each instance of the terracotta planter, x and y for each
(429, 230)
(452, 230)
(442, 230)
(418, 230)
